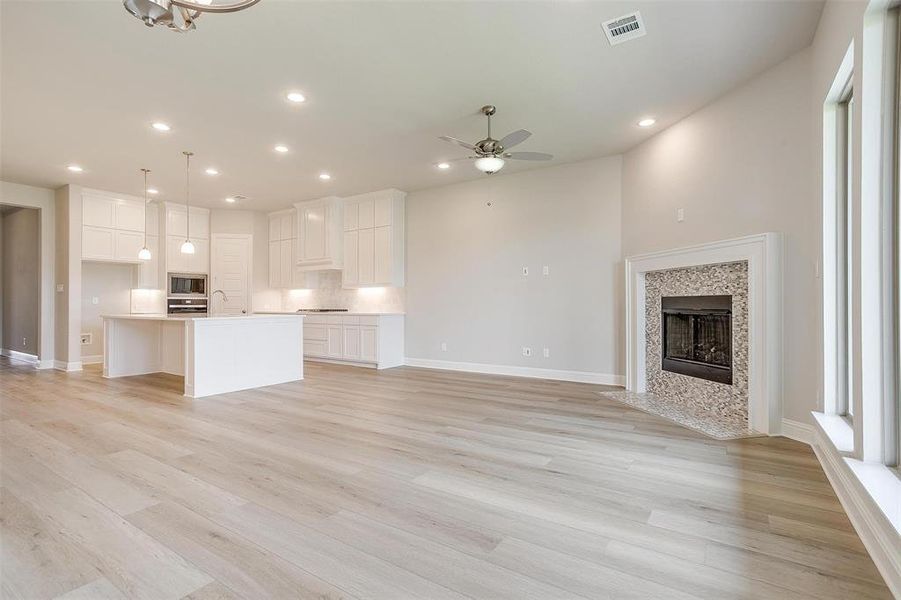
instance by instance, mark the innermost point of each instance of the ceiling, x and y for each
(83, 80)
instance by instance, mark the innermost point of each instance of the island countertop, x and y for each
(163, 317)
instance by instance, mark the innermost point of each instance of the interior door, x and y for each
(231, 273)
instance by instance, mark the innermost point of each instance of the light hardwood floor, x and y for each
(407, 483)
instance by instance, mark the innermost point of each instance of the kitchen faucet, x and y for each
(224, 297)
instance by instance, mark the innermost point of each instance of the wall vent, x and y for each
(625, 28)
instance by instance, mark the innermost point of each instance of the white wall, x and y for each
(68, 275)
(21, 280)
(741, 166)
(111, 285)
(464, 261)
(14, 194)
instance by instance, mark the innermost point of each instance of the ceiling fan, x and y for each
(163, 12)
(490, 153)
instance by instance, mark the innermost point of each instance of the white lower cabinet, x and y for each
(367, 340)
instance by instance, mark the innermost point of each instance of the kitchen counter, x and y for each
(215, 355)
(331, 312)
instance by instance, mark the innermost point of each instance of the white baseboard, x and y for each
(798, 431)
(560, 375)
(62, 365)
(878, 535)
(93, 359)
(20, 356)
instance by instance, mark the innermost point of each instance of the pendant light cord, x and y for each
(188, 195)
(145, 205)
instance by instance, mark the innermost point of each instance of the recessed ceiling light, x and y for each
(324, 176)
(160, 126)
(647, 122)
(153, 191)
(212, 171)
(281, 148)
(230, 199)
(295, 97)
(443, 166)
(75, 168)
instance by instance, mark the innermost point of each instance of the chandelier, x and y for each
(179, 15)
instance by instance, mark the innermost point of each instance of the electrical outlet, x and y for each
(86, 339)
(24, 342)
(545, 270)
(680, 215)
(526, 351)
(60, 287)
(444, 346)
(547, 352)
(525, 271)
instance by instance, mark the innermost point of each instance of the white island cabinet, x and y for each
(215, 355)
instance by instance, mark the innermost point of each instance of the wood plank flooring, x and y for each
(406, 483)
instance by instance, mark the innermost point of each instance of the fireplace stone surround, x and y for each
(720, 400)
(761, 256)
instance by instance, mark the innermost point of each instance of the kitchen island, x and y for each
(215, 355)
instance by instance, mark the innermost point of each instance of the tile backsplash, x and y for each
(329, 294)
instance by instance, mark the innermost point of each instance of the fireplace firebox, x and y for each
(697, 336)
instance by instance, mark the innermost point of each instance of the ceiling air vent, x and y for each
(625, 28)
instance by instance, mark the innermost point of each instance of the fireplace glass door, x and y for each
(697, 336)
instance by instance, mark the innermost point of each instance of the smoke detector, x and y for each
(624, 28)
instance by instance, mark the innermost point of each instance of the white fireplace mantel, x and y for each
(763, 253)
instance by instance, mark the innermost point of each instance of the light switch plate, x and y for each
(526, 351)
(95, 300)
(525, 271)
(680, 214)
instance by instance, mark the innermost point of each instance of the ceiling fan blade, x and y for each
(528, 155)
(517, 137)
(452, 140)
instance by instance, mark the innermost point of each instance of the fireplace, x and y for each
(697, 336)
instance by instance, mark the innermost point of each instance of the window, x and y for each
(843, 249)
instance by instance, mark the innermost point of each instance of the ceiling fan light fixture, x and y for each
(152, 12)
(163, 12)
(489, 164)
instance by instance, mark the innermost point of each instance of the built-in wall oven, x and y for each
(188, 295)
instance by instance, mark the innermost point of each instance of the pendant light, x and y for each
(144, 253)
(187, 247)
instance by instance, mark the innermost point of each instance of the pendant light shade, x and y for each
(144, 253)
(188, 246)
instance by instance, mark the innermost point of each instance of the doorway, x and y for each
(20, 287)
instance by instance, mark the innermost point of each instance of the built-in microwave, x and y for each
(187, 285)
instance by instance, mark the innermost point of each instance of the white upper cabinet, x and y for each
(177, 221)
(98, 211)
(319, 227)
(374, 239)
(112, 227)
(281, 249)
(177, 225)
